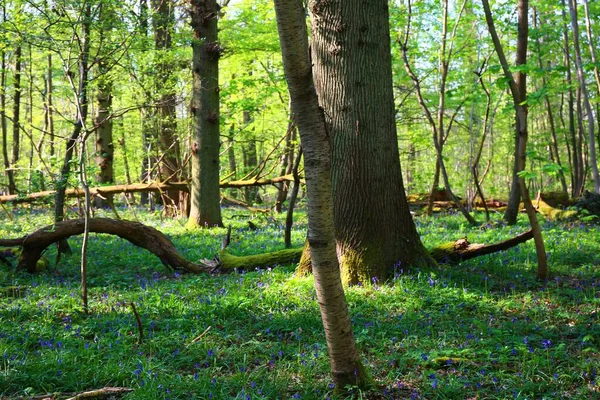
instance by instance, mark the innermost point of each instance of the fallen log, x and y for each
(552, 213)
(461, 250)
(229, 263)
(138, 187)
(34, 244)
(446, 253)
(104, 393)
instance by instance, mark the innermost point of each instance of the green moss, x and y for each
(444, 252)
(229, 262)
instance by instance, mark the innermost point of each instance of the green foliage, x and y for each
(481, 328)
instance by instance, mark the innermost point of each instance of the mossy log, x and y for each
(34, 244)
(461, 250)
(554, 214)
(228, 262)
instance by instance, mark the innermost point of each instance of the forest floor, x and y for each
(483, 329)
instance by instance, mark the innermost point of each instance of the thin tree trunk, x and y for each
(518, 87)
(16, 137)
(82, 111)
(3, 126)
(345, 363)
(554, 145)
(289, 218)
(287, 163)
(205, 197)
(250, 194)
(584, 94)
(577, 185)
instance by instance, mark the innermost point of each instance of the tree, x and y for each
(584, 94)
(353, 77)
(518, 89)
(205, 197)
(163, 21)
(345, 364)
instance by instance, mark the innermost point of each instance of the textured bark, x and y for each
(104, 134)
(205, 197)
(140, 235)
(352, 68)
(584, 94)
(345, 364)
(163, 21)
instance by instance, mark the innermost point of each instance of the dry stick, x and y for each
(101, 393)
(139, 323)
(197, 338)
(289, 218)
(7, 213)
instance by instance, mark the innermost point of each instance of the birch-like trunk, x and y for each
(345, 363)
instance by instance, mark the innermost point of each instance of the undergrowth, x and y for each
(482, 329)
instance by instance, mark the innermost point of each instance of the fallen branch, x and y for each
(462, 250)
(106, 392)
(138, 234)
(138, 187)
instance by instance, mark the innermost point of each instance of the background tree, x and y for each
(204, 193)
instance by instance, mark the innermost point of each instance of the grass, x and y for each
(482, 329)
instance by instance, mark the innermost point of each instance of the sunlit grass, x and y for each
(483, 328)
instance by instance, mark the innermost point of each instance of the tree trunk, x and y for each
(371, 213)
(205, 197)
(344, 359)
(584, 94)
(554, 141)
(578, 181)
(3, 126)
(518, 88)
(287, 163)
(104, 134)
(16, 122)
(251, 160)
(84, 43)
(168, 142)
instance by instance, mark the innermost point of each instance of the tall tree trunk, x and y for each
(168, 142)
(578, 181)
(16, 122)
(231, 159)
(104, 134)
(518, 89)
(250, 193)
(588, 25)
(344, 359)
(3, 127)
(554, 142)
(205, 196)
(374, 229)
(584, 95)
(287, 163)
(48, 105)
